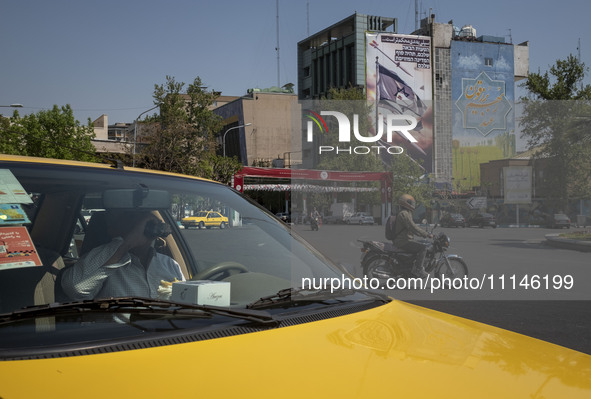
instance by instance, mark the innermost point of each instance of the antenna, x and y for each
(277, 48)
(307, 18)
(416, 14)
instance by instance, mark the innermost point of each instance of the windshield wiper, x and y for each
(299, 295)
(136, 305)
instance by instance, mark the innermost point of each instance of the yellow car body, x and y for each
(205, 219)
(273, 341)
(397, 350)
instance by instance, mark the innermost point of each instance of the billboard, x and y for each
(517, 184)
(398, 81)
(483, 114)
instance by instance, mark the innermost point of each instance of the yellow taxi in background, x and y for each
(236, 316)
(205, 219)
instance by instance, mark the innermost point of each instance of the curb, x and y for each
(567, 243)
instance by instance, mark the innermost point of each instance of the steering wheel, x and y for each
(218, 268)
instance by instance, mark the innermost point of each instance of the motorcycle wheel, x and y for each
(451, 269)
(379, 268)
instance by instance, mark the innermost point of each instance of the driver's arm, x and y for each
(85, 279)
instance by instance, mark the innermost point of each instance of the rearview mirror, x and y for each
(140, 198)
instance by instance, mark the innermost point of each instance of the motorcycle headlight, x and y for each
(444, 240)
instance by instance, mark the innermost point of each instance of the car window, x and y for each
(253, 251)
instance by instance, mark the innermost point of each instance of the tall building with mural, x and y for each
(474, 100)
(458, 86)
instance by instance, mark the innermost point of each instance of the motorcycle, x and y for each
(382, 260)
(314, 222)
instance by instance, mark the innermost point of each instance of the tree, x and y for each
(409, 178)
(556, 119)
(219, 168)
(350, 101)
(51, 133)
(182, 138)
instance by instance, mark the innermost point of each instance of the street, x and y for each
(534, 299)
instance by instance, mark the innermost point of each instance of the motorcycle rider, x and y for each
(314, 219)
(404, 231)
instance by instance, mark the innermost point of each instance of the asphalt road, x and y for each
(547, 312)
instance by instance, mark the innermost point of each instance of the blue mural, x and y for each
(483, 91)
(483, 108)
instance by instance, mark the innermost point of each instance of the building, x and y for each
(431, 71)
(112, 138)
(262, 128)
(335, 56)
(535, 165)
(470, 130)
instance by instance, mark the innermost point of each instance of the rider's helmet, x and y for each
(407, 201)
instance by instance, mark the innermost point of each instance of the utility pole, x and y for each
(277, 48)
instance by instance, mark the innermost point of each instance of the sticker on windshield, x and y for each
(11, 191)
(12, 214)
(17, 248)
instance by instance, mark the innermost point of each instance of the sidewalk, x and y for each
(568, 243)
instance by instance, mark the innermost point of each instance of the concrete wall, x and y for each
(276, 130)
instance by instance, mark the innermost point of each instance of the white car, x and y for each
(360, 218)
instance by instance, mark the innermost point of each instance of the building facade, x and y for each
(465, 130)
(262, 128)
(335, 56)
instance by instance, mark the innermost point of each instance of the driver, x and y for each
(405, 229)
(128, 265)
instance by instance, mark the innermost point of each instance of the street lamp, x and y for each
(224, 136)
(135, 131)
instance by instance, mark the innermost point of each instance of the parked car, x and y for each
(205, 219)
(452, 220)
(285, 216)
(482, 219)
(559, 221)
(332, 219)
(360, 218)
(246, 312)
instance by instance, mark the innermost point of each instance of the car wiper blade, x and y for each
(137, 304)
(299, 295)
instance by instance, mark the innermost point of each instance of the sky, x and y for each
(104, 57)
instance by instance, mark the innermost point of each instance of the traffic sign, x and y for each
(476, 202)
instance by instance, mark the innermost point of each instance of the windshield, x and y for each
(78, 219)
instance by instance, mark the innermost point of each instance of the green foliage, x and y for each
(409, 178)
(52, 133)
(562, 83)
(556, 119)
(218, 168)
(182, 138)
(350, 102)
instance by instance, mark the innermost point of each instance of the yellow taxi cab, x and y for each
(205, 219)
(129, 305)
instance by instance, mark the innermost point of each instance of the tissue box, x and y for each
(202, 292)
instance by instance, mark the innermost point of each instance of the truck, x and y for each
(339, 211)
